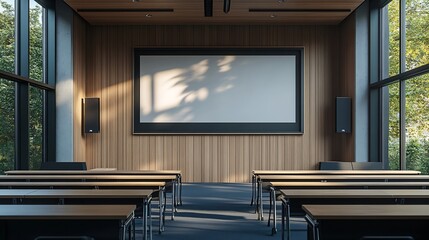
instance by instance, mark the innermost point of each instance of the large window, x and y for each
(7, 36)
(26, 77)
(417, 123)
(404, 70)
(7, 125)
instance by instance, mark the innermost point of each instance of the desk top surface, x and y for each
(335, 172)
(356, 212)
(88, 193)
(65, 212)
(356, 193)
(342, 177)
(89, 177)
(348, 184)
(15, 193)
(75, 193)
(82, 184)
(93, 172)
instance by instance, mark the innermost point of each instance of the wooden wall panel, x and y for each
(223, 158)
(346, 86)
(79, 73)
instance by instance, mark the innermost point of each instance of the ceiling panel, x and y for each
(192, 11)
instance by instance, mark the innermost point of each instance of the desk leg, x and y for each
(150, 219)
(133, 229)
(274, 230)
(126, 225)
(288, 219)
(173, 205)
(145, 208)
(283, 218)
(256, 196)
(261, 207)
(161, 208)
(180, 190)
(315, 227)
(253, 189)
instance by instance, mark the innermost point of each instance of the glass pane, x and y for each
(417, 34)
(7, 35)
(35, 127)
(394, 124)
(390, 39)
(417, 124)
(36, 41)
(7, 125)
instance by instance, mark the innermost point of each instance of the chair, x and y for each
(367, 166)
(335, 165)
(63, 166)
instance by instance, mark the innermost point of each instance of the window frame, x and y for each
(23, 82)
(377, 83)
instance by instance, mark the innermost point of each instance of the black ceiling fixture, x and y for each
(208, 8)
(226, 6)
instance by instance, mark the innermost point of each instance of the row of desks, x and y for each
(29, 221)
(86, 187)
(384, 195)
(94, 175)
(86, 198)
(293, 200)
(336, 187)
(333, 222)
(388, 176)
(259, 176)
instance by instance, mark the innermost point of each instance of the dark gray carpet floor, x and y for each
(221, 211)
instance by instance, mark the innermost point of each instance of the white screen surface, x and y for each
(217, 89)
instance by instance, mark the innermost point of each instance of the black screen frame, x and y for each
(221, 128)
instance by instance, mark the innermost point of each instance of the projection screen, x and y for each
(218, 91)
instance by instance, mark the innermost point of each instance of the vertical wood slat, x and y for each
(79, 72)
(224, 158)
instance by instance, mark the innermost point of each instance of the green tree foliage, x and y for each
(36, 95)
(417, 89)
(7, 88)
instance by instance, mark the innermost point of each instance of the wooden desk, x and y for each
(99, 178)
(349, 185)
(137, 197)
(158, 186)
(312, 175)
(83, 185)
(276, 186)
(336, 222)
(100, 221)
(335, 172)
(257, 173)
(329, 178)
(176, 173)
(294, 199)
(86, 196)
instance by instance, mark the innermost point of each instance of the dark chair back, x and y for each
(334, 165)
(63, 166)
(367, 166)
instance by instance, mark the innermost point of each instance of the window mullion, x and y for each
(22, 89)
(402, 34)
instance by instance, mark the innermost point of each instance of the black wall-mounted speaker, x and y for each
(343, 115)
(91, 115)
